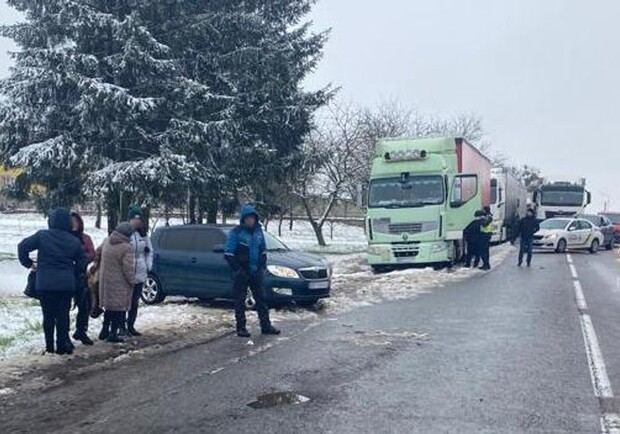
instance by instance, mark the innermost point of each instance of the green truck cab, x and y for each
(422, 194)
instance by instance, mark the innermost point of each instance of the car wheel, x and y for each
(379, 269)
(595, 246)
(307, 303)
(152, 292)
(561, 247)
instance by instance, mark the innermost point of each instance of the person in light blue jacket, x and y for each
(246, 253)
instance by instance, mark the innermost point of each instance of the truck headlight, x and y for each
(375, 250)
(280, 271)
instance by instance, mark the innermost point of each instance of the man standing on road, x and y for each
(487, 229)
(246, 253)
(528, 226)
(473, 235)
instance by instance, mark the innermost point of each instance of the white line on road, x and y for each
(573, 271)
(610, 423)
(598, 370)
(579, 297)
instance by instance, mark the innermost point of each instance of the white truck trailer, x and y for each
(508, 203)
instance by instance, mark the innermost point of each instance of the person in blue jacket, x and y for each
(60, 257)
(246, 254)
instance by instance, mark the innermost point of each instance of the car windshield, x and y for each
(553, 196)
(274, 244)
(407, 192)
(614, 218)
(554, 224)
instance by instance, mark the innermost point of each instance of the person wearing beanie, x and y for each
(143, 257)
(473, 239)
(116, 280)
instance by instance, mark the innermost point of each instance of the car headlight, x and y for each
(285, 272)
(552, 237)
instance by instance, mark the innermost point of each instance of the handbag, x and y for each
(31, 286)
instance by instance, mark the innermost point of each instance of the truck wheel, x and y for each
(595, 246)
(379, 269)
(561, 248)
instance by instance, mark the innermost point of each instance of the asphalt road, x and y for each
(512, 351)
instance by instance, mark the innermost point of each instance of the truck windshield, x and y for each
(562, 196)
(411, 192)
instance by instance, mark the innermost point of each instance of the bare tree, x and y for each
(330, 159)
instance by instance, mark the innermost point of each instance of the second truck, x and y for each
(422, 194)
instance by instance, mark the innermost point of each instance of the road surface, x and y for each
(513, 351)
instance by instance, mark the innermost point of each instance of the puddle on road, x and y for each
(278, 399)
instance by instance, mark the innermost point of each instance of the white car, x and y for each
(562, 234)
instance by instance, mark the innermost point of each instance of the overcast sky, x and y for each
(544, 75)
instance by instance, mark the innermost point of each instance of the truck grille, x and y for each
(314, 273)
(405, 228)
(410, 254)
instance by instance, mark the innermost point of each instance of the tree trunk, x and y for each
(212, 212)
(280, 225)
(191, 204)
(318, 231)
(201, 211)
(98, 218)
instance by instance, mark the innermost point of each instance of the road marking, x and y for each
(598, 370)
(573, 271)
(579, 297)
(610, 422)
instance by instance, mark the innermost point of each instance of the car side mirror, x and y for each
(219, 248)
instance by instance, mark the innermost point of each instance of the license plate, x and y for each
(319, 285)
(283, 291)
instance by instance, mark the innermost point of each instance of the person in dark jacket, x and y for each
(487, 230)
(473, 239)
(246, 254)
(528, 226)
(59, 255)
(83, 298)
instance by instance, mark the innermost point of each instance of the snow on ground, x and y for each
(354, 285)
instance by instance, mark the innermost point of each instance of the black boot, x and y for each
(83, 337)
(105, 330)
(270, 330)
(118, 319)
(133, 332)
(243, 333)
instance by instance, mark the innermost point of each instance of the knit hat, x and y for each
(135, 213)
(124, 229)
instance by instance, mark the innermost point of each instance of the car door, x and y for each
(172, 259)
(607, 229)
(573, 237)
(211, 271)
(586, 232)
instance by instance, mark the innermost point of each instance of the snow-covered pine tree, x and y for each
(253, 57)
(84, 101)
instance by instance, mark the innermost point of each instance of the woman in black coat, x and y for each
(59, 254)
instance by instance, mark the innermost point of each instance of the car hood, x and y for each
(547, 232)
(296, 260)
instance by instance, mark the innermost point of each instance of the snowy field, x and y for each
(354, 285)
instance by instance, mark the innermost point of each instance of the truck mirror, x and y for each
(589, 198)
(456, 203)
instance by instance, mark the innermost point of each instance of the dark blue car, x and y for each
(189, 261)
